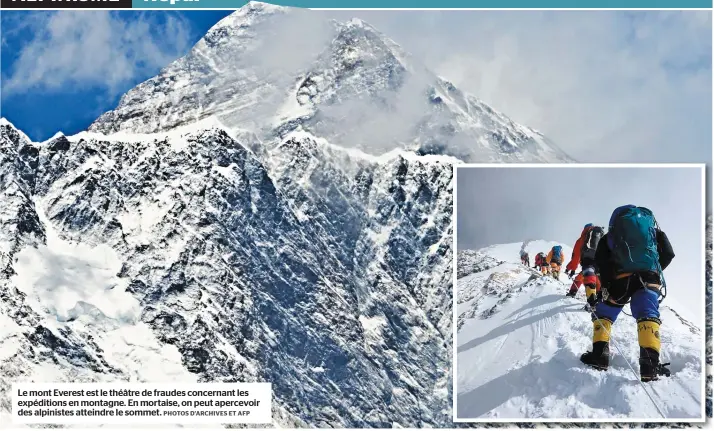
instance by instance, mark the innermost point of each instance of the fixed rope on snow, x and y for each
(644, 388)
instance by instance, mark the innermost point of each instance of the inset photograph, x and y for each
(580, 293)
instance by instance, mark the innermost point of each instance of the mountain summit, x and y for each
(345, 82)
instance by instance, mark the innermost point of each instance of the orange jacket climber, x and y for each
(575, 259)
(584, 256)
(550, 259)
(555, 259)
(588, 240)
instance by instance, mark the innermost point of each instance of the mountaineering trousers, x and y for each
(592, 284)
(588, 277)
(645, 309)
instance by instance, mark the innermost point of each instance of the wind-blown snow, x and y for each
(359, 90)
(520, 339)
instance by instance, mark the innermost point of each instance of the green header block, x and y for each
(433, 4)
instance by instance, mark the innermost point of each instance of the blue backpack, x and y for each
(632, 239)
(557, 254)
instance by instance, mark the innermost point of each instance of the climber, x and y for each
(555, 259)
(631, 258)
(525, 259)
(578, 281)
(541, 263)
(584, 255)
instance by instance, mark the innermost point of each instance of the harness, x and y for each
(661, 289)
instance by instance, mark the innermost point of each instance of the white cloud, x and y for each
(92, 49)
(610, 86)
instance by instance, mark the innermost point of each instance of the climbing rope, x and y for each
(644, 388)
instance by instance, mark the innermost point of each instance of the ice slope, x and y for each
(76, 284)
(324, 271)
(520, 339)
(65, 315)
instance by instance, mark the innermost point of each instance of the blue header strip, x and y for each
(434, 4)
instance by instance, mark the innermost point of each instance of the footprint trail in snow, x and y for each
(520, 339)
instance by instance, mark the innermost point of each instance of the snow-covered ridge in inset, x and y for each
(520, 338)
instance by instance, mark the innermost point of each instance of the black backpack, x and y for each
(592, 238)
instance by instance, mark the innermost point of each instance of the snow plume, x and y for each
(342, 81)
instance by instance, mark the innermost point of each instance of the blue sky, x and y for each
(606, 86)
(71, 101)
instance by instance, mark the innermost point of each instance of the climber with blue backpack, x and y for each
(555, 259)
(630, 259)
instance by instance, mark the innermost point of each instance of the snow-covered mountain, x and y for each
(349, 84)
(519, 341)
(337, 293)
(255, 212)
